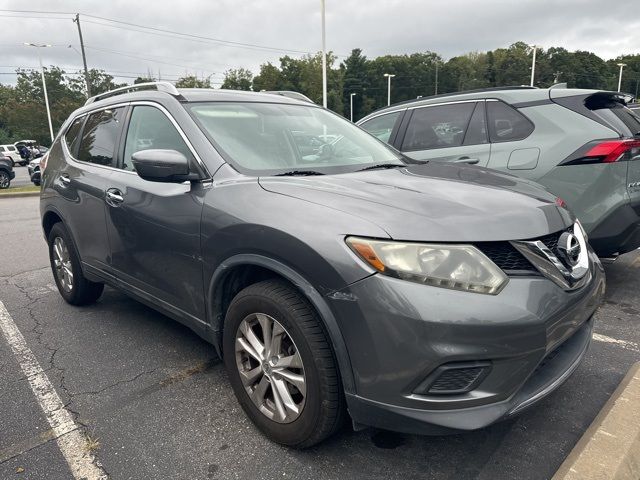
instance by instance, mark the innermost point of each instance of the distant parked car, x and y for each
(11, 152)
(6, 172)
(35, 169)
(582, 145)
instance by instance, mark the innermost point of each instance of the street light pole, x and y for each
(389, 77)
(621, 65)
(351, 95)
(436, 90)
(44, 84)
(533, 64)
(324, 58)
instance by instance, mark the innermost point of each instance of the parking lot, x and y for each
(154, 401)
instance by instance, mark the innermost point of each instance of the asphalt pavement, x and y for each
(155, 402)
(22, 177)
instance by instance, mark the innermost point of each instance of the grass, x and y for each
(92, 444)
(23, 189)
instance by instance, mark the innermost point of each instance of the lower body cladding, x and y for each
(428, 360)
(618, 232)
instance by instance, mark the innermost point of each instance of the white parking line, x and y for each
(623, 343)
(70, 439)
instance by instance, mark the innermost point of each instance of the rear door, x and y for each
(154, 227)
(89, 146)
(452, 132)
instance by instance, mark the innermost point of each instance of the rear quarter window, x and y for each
(72, 135)
(506, 124)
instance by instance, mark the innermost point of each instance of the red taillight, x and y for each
(611, 151)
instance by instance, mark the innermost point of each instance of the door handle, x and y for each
(471, 161)
(114, 197)
(64, 180)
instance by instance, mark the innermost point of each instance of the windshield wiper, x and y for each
(299, 173)
(383, 165)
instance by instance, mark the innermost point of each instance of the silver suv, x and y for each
(582, 145)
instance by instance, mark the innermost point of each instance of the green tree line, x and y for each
(23, 114)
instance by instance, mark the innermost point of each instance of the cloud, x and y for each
(377, 26)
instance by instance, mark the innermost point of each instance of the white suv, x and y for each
(12, 152)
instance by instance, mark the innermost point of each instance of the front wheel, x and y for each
(65, 264)
(5, 180)
(281, 365)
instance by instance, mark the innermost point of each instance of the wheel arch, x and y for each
(242, 270)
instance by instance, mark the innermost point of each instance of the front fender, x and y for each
(216, 316)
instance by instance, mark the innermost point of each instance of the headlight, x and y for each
(458, 267)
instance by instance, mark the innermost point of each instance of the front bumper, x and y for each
(533, 334)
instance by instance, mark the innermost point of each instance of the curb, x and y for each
(610, 448)
(20, 194)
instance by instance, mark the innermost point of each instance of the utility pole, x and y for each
(436, 91)
(324, 58)
(84, 56)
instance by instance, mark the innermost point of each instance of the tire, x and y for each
(5, 180)
(22, 164)
(74, 288)
(321, 409)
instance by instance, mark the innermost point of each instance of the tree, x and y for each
(237, 79)
(269, 78)
(191, 81)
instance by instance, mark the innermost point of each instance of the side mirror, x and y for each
(162, 165)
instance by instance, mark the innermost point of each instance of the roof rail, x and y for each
(289, 94)
(159, 86)
(464, 92)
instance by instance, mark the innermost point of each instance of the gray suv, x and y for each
(330, 274)
(582, 145)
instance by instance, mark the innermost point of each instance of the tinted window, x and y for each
(623, 119)
(506, 123)
(11, 148)
(149, 128)
(99, 136)
(437, 127)
(73, 134)
(477, 130)
(382, 126)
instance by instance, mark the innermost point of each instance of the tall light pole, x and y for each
(621, 65)
(389, 77)
(436, 89)
(533, 63)
(351, 95)
(324, 59)
(44, 83)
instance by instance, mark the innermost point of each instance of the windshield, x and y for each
(273, 138)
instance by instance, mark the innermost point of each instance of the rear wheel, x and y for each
(5, 180)
(281, 365)
(65, 264)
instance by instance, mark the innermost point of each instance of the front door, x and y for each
(154, 228)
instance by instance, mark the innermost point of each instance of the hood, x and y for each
(435, 202)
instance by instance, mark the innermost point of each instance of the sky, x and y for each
(270, 29)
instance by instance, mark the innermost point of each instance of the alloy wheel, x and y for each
(62, 263)
(4, 180)
(270, 368)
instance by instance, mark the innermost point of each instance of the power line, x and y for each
(156, 30)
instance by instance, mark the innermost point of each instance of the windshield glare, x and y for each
(271, 138)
